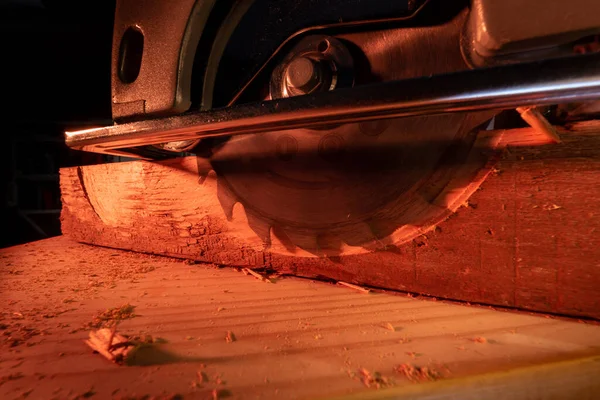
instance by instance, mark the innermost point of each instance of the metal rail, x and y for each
(540, 83)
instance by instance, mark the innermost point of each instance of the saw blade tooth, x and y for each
(305, 240)
(329, 244)
(226, 198)
(261, 227)
(204, 169)
(381, 229)
(362, 235)
(282, 238)
(384, 230)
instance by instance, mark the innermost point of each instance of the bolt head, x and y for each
(303, 74)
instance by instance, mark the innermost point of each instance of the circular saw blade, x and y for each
(353, 185)
(359, 187)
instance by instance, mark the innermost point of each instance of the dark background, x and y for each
(55, 58)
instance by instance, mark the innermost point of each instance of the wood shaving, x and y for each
(230, 337)
(116, 347)
(479, 339)
(374, 379)
(202, 377)
(390, 327)
(468, 204)
(355, 287)
(255, 274)
(111, 345)
(405, 340)
(551, 207)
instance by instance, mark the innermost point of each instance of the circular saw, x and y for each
(338, 127)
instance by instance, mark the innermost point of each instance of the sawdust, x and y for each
(169, 380)
(202, 377)
(11, 377)
(420, 241)
(373, 379)
(141, 338)
(85, 395)
(479, 339)
(112, 316)
(405, 340)
(144, 269)
(18, 333)
(418, 374)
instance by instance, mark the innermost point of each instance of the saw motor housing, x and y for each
(207, 52)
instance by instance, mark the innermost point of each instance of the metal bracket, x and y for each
(540, 83)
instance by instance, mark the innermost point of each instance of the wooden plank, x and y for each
(526, 238)
(295, 338)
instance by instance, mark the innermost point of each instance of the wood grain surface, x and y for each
(523, 233)
(295, 338)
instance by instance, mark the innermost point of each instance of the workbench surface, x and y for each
(294, 338)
